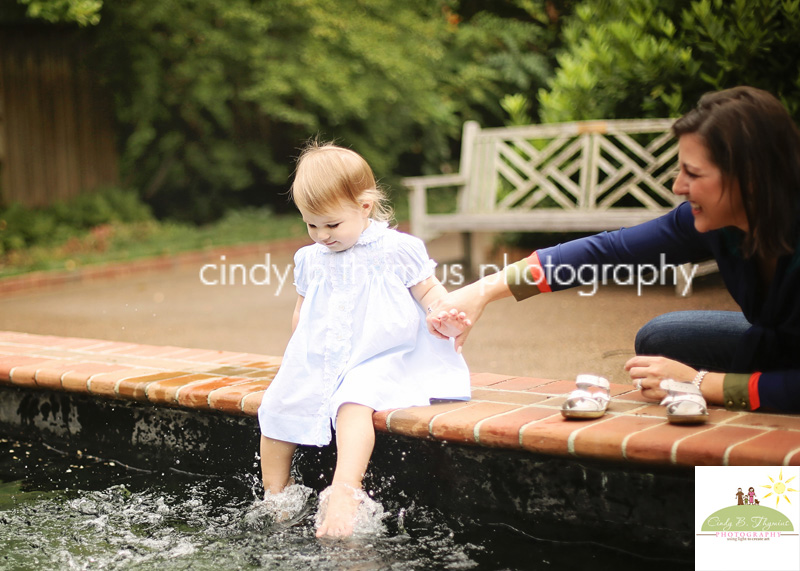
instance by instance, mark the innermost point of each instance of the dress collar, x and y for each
(372, 232)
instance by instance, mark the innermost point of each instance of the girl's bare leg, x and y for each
(355, 439)
(276, 462)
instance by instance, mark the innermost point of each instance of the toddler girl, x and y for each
(359, 340)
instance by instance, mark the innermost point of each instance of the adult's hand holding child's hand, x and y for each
(449, 324)
(466, 302)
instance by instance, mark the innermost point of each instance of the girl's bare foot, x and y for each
(286, 504)
(338, 508)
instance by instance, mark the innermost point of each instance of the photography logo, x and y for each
(747, 518)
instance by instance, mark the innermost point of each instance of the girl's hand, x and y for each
(466, 301)
(450, 324)
(650, 371)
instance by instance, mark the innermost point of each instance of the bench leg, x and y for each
(477, 247)
(466, 261)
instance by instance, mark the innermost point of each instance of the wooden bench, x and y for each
(569, 177)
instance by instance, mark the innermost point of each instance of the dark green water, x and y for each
(61, 511)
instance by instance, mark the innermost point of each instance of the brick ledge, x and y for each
(521, 413)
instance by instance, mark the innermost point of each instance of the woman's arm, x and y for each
(767, 391)
(472, 299)
(671, 238)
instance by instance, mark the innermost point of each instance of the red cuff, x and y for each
(538, 274)
(752, 389)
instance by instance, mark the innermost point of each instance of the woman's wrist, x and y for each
(492, 287)
(520, 280)
(711, 387)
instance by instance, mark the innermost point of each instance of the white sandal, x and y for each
(685, 403)
(589, 400)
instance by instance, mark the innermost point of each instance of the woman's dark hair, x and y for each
(753, 140)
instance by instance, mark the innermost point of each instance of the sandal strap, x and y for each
(674, 388)
(598, 399)
(583, 394)
(690, 398)
(590, 381)
(579, 394)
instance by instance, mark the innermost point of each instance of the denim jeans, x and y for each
(700, 339)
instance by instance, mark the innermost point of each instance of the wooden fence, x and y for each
(56, 125)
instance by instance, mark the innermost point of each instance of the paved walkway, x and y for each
(165, 302)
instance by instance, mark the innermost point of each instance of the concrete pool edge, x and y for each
(640, 509)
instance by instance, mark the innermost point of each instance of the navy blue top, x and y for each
(771, 345)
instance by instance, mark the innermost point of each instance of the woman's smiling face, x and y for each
(701, 183)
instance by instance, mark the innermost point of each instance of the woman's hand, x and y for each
(470, 301)
(650, 371)
(467, 301)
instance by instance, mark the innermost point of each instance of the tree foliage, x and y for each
(217, 95)
(508, 47)
(656, 57)
(82, 12)
(214, 97)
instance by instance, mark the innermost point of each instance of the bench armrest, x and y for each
(418, 202)
(434, 181)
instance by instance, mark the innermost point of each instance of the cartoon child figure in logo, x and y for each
(740, 497)
(752, 493)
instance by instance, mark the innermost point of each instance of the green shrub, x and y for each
(23, 227)
(102, 207)
(655, 58)
(41, 239)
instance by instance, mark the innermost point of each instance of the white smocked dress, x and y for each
(361, 338)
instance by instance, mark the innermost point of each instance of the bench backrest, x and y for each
(583, 166)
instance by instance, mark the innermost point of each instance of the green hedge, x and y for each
(22, 227)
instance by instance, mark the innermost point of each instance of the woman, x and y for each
(739, 160)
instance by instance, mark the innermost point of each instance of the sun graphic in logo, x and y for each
(779, 488)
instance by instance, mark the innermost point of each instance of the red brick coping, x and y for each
(520, 413)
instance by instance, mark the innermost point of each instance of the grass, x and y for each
(114, 225)
(135, 240)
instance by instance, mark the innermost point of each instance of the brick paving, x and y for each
(519, 413)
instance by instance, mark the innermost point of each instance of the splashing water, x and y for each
(204, 528)
(286, 508)
(369, 513)
(59, 511)
(150, 520)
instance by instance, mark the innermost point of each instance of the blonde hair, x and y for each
(330, 177)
